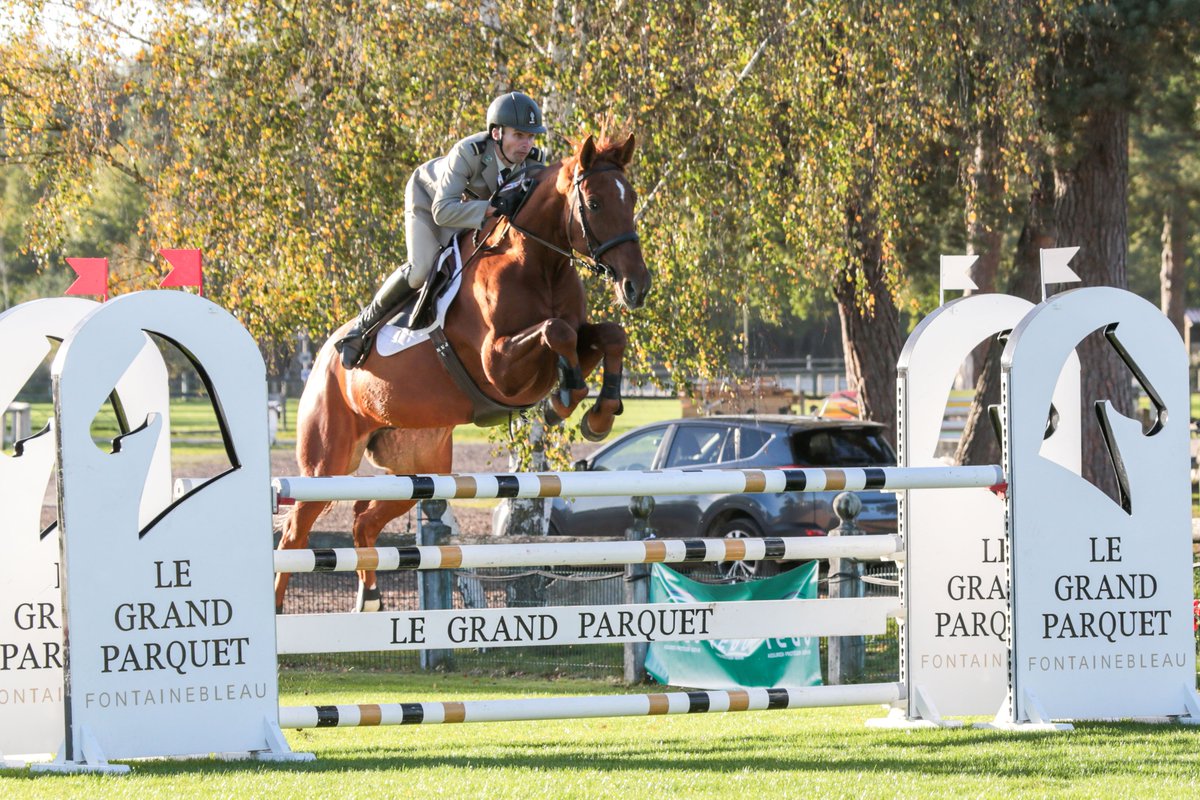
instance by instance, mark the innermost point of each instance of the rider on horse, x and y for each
(445, 196)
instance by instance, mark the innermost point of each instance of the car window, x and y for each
(700, 445)
(636, 452)
(842, 447)
(751, 441)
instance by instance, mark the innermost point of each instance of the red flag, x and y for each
(186, 268)
(93, 276)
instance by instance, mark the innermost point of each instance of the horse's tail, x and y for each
(325, 420)
(327, 377)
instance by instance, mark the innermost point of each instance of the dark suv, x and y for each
(733, 442)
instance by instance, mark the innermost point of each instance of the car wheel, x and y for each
(742, 528)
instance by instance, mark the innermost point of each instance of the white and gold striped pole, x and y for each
(631, 483)
(571, 554)
(632, 705)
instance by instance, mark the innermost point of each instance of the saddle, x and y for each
(419, 310)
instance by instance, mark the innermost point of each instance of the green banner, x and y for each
(730, 663)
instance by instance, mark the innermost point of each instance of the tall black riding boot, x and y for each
(355, 345)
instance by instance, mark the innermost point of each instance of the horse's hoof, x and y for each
(368, 599)
(587, 431)
(279, 609)
(549, 415)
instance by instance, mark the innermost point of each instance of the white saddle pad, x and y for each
(392, 339)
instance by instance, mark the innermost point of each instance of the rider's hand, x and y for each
(507, 199)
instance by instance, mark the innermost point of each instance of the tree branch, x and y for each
(85, 8)
(500, 30)
(686, 152)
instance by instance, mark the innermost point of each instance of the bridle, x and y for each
(595, 247)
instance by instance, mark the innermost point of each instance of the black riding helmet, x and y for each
(515, 110)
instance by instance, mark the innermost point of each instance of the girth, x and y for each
(485, 411)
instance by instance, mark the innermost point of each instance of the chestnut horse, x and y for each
(519, 321)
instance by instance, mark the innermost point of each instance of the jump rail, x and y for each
(572, 554)
(634, 705)
(633, 484)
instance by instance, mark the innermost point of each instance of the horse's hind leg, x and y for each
(400, 452)
(327, 443)
(604, 341)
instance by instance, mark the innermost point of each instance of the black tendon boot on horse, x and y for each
(355, 345)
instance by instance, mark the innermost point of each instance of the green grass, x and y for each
(811, 753)
(193, 421)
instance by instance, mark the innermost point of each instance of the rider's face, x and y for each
(514, 145)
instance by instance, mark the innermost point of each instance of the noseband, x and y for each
(595, 248)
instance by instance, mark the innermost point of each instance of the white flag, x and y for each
(1054, 265)
(956, 272)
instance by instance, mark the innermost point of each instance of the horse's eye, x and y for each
(594, 205)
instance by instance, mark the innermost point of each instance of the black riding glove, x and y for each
(508, 197)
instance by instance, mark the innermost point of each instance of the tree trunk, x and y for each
(870, 323)
(568, 39)
(3, 277)
(1090, 210)
(979, 443)
(489, 15)
(1171, 276)
(985, 206)
(985, 223)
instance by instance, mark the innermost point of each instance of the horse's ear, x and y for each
(627, 151)
(587, 153)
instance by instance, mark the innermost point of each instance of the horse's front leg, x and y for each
(515, 364)
(370, 516)
(602, 341)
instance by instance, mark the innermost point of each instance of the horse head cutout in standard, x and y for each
(31, 658)
(516, 335)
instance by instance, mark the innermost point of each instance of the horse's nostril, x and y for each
(630, 292)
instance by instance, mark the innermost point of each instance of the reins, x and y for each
(595, 265)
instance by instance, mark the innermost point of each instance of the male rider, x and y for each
(448, 195)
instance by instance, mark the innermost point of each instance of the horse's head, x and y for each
(601, 205)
